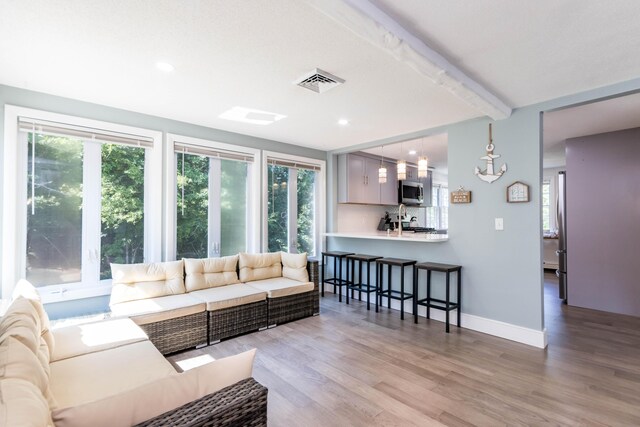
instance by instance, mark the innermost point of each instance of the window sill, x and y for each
(62, 293)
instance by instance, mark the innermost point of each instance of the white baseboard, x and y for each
(496, 328)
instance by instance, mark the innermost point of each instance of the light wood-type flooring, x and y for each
(351, 367)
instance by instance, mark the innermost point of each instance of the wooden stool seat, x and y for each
(446, 304)
(390, 293)
(337, 279)
(361, 286)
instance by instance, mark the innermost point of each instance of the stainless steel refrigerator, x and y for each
(561, 272)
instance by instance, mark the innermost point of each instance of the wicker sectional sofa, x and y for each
(193, 302)
(110, 373)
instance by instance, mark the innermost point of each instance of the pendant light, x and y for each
(402, 167)
(423, 162)
(382, 171)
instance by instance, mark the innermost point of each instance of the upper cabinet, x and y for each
(358, 181)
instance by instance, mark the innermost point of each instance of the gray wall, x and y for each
(24, 98)
(502, 273)
(603, 217)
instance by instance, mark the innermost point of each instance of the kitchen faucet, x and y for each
(402, 206)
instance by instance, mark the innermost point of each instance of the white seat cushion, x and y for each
(82, 379)
(281, 287)
(153, 310)
(155, 398)
(76, 340)
(229, 296)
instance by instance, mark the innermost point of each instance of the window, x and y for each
(79, 203)
(438, 212)
(212, 212)
(546, 205)
(294, 195)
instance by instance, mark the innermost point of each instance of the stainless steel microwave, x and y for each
(411, 193)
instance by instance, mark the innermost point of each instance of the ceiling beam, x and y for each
(375, 26)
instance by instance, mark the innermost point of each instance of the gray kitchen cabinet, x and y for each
(358, 181)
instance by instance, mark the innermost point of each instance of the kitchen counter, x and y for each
(407, 236)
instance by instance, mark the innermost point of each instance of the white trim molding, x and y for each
(14, 224)
(508, 331)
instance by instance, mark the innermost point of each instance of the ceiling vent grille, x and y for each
(319, 81)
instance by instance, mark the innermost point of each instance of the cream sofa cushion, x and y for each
(210, 272)
(294, 266)
(259, 266)
(22, 404)
(20, 362)
(281, 287)
(153, 310)
(150, 400)
(132, 282)
(87, 338)
(93, 376)
(26, 290)
(22, 322)
(229, 296)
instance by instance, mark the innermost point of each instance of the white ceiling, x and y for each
(589, 119)
(249, 53)
(434, 147)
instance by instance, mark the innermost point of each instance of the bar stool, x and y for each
(447, 305)
(361, 286)
(390, 293)
(337, 279)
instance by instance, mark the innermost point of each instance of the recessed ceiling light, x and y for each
(250, 115)
(165, 66)
(343, 122)
(412, 152)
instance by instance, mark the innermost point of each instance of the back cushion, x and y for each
(26, 290)
(22, 404)
(21, 321)
(210, 272)
(139, 281)
(259, 266)
(294, 266)
(17, 361)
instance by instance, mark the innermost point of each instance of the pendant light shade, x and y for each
(402, 170)
(423, 167)
(382, 170)
(382, 175)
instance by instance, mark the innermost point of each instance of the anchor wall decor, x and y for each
(489, 175)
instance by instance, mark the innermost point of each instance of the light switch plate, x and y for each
(499, 224)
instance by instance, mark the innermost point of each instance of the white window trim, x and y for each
(253, 227)
(14, 202)
(320, 201)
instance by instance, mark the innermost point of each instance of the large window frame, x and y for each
(253, 198)
(15, 202)
(320, 200)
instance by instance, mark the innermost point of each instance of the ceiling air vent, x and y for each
(319, 81)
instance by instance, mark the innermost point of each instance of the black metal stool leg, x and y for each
(378, 285)
(322, 274)
(447, 302)
(428, 294)
(368, 283)
(401, 293)
(416, 272)
(345, 282)
(459, 296)
(335, 272)
(389, 286)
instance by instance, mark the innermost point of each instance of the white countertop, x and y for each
(407, 236)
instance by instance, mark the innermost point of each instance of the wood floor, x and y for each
(350, 367)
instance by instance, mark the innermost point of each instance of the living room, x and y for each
(165, 131)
